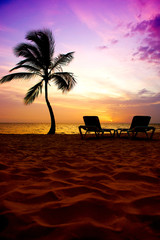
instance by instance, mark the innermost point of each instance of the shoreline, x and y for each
(124, 135)
(60, 128)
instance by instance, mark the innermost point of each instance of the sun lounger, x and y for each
(92, 124)
(139, 124)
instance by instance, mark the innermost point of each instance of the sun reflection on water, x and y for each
(61, 128)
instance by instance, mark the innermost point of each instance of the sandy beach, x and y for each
(64, 188)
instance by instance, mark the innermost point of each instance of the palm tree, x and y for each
(39, 61)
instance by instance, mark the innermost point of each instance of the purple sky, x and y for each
(116, 64)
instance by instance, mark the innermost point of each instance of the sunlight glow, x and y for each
(117, 73)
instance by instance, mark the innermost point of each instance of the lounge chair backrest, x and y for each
(141, 121)
(92, 121)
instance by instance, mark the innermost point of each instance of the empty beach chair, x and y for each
(139, 124)
(92, 124)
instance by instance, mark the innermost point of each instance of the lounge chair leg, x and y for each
(120, 132)
(135, 134)
(153, 130)
(97, 134)
(146, 134)
(85, 133)
(112, 134)
(81, 132)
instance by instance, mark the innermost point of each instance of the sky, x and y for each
(116, 61)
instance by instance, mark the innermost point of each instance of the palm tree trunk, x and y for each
(53, 124)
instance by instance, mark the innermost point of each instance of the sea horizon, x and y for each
(61, 128)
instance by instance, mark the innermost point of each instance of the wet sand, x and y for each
(64, 188)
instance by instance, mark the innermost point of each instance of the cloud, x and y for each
(110, 42)
(120, 108)
(144, 91)
(123, 108)
(145, 97)
(149, 49)
(114, 41)
(101, 17)
(144, 9)
(4, 28)
(102, 47)
(151, 26)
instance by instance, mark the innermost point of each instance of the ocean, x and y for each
(61, 128)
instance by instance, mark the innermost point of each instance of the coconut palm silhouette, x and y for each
(39, 61)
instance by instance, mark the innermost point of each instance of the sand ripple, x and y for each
(103, 189)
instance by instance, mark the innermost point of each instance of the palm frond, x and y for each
(44, 42)
(28, 67)
(64, 80)
(29, 52)
(25, 49)
(12, 76)
(27, 61)
(33, 92)
(30, 62)
(62, 60)
(57, 68)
